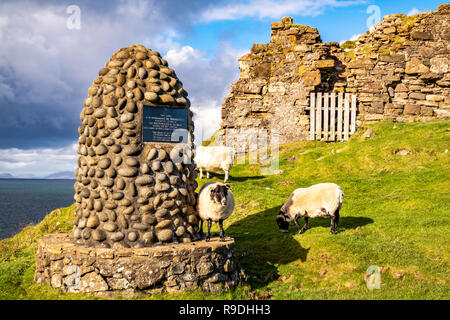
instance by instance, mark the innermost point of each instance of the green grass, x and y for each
(395, 215)
(212, 141)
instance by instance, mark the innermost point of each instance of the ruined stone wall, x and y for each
(401, 68)
(276, 80)
(398, 70)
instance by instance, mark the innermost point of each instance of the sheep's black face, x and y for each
(282, 222)
(219, 194)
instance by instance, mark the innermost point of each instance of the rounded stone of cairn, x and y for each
(131, 193)
(164, 235)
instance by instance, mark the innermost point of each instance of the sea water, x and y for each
(28, 201)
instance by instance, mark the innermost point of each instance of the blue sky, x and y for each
(334, 24)
(46, 67)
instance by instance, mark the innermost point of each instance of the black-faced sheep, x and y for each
(215, 204)
(319, 200)
(214, 159)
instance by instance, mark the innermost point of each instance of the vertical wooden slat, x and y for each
(346, 115)
(333, 128)
(312, 115)
(319, 116)
(353, 115)
(333, 117)
(325, 117)
(339, 119)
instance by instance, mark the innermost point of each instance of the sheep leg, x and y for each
(222, 233)
(333, 224)
(297, 224)
(336, 220)
(201, 173)
(305, 226)
(226, 176)
(201, 228)
(207, 174)
(208, 235)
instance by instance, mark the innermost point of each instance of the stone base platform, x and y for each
(62, 263)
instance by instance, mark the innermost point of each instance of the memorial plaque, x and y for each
(158, 123)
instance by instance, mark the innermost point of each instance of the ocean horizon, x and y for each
(28, 201)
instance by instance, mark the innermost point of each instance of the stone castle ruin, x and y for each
(136, 225)
(398, 71)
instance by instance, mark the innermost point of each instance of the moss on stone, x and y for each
(397, 43)
(348, 45)
(367, 49)
(398, 40)
(293, 43)
(385, 52)
(301, 69)
(272, 68)
(351, 55)
(408, 21)
(302, 27)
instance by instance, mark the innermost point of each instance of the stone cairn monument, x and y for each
(130, 193)
(135, 221)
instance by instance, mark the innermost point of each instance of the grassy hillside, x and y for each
(395, 215)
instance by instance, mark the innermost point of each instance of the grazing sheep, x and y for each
(319, 200)
(214, 159)
(215, 204)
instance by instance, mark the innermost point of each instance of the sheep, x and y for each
(215, 204)
(214, 159)
(319, 200)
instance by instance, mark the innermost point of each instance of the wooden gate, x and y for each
(332, 116)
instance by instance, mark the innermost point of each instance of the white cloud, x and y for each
(136, 8)
(207, 82)
(413, 11)
(271, 9)
(355, 36)
(14, 165)
(207, 120)
(39, 162)
(352, 38)
(183, 56)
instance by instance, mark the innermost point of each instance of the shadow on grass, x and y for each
(345, 223)
(241, 179)
(261, 247)
(220, 177)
